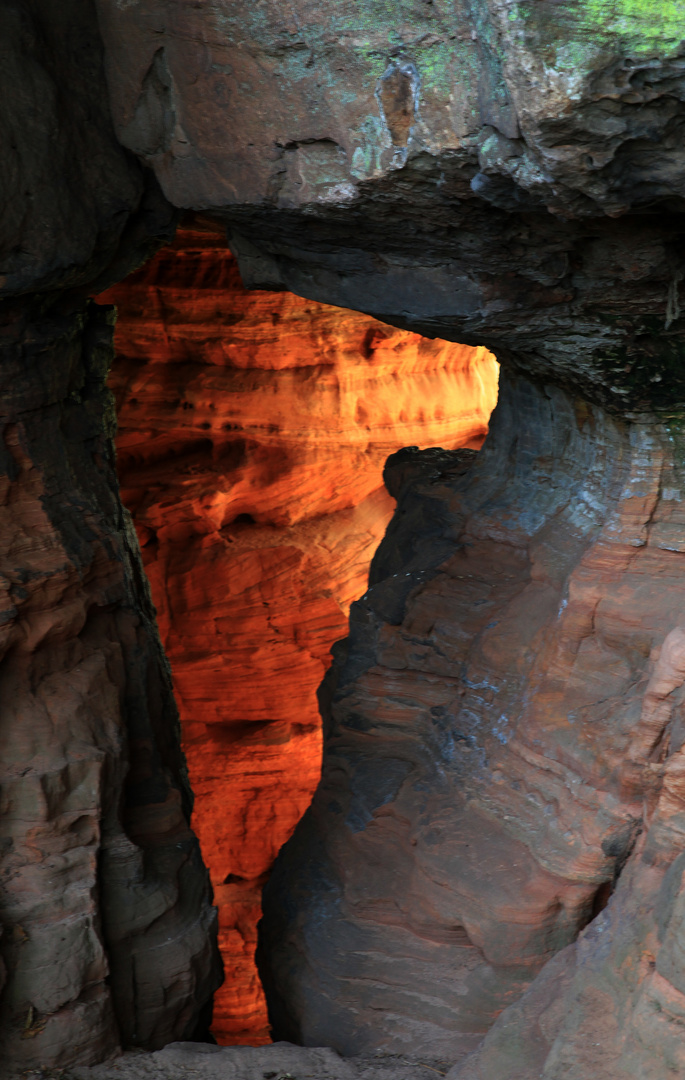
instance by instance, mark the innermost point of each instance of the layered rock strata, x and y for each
(502, 763)
(507, 174)
(253, 428)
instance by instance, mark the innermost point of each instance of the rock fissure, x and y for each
(502, 713)
(286, 526)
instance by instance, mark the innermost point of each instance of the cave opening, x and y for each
(252, 432)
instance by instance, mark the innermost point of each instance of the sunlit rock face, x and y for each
(253, 429)
(508, 174)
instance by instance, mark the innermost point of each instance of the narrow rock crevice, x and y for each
(265, 503)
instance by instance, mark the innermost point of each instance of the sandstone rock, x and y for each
(107, 926)
(524, 192)
(458, 169)
(502, 725)
(75, 205)
(240, 103)
(253, 428)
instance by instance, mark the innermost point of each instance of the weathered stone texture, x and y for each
(577, 108)
(507, 174)
(253, 428)
(499, 725)
(446, 167)
(107, 925)
(107, 928)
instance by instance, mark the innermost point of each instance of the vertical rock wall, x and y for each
(107, 927)
(502, 761)
(107, 934)
(499, 173)
(253, 428)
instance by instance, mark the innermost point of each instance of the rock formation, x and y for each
(501, 173)
(497, 172)
(108, 934)
(508, 174)
(106, 920)
(499, 722)
(253, 428)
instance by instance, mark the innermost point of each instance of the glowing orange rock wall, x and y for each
(253, 428)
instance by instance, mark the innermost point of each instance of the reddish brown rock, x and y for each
(108, 934)
(502, 725)
(253, 428)
(106, 930)
(403, 162)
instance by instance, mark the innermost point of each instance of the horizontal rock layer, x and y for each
(503, 738)
(253, 428)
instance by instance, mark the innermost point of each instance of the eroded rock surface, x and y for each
(108, 932)
(556, 107)
(456, 168)
(502, 725)
(253, 428)
(107, 929)
(498, 173)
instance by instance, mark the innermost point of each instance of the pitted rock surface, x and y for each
(492, 172)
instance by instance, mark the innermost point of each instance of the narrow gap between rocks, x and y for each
(253, 429)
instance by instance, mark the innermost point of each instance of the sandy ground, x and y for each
(279, 1061)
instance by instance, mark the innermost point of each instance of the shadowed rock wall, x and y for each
(253, 428)
(107, 933)
(501, 727)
